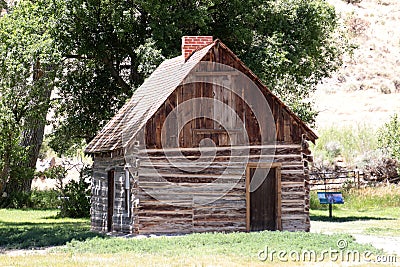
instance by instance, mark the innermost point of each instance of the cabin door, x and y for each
(110, 200)
(263, 198)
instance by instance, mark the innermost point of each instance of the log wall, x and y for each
(178, 205)
(124, 219)
(172, 196)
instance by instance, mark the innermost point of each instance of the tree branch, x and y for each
(115, 74)
(78, 57)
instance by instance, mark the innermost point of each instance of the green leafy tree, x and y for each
(107, 54)
(28, 60)
(3, 4)
(106, 48)
(389, 138)
(290, 44)
(296, 44)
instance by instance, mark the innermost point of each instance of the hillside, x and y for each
(367, 87)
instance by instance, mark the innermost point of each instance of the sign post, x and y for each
(330, 198)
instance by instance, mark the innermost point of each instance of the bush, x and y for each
(346, 141)
(47, 199)
(16, 200)
(76, 201)
(389, 138)
(356, 26)
(76, 196)
(353, 1)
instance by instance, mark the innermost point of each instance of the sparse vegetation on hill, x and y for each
(367, 86)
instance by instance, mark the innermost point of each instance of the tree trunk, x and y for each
(32, 138)
(5, 171)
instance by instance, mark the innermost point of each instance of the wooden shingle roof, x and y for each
(144, 102)
(148, 98)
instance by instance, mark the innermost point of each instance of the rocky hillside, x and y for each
(367, 87)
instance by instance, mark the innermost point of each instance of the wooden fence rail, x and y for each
(334, 180)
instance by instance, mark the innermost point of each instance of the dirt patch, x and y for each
(25, 252)
(389, 244)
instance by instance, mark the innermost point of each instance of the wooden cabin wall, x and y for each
(169, 199)
(287, 128)
(227, 213)
(122, 220)
(307, 161)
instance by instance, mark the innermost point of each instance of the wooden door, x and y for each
(263, 197)
(110, 198)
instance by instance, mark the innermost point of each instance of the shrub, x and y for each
(353, 1)
(45, 199)
(346, 141)
(76, 202)
(76, 196)
(396, 84)
(16, 200)
(389, 138)
(357, 26)
(73, 197)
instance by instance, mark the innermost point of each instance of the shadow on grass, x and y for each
(322, 218)
(40, 235)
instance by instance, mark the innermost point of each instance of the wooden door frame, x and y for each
(109, 173)
(277, 167)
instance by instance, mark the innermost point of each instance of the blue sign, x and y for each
(330, 198)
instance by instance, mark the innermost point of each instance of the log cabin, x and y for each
(202, 146)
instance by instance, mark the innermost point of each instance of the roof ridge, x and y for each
(200, 48)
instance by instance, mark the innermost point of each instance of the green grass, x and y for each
(373, 198)
(372, 211)
(27, 229)
(244, 245)
(364, 198)
(38, 229)
(376, 199)
(378, 222)
(383, 231)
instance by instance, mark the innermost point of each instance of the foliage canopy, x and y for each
(93, 54)
(29, 61)
(110, 47)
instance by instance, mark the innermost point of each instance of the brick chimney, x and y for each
(192, 43)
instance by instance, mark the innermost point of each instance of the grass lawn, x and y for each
(357, 222)
(39, 229)
(73, 245)
(371, 211)
(32, 229)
